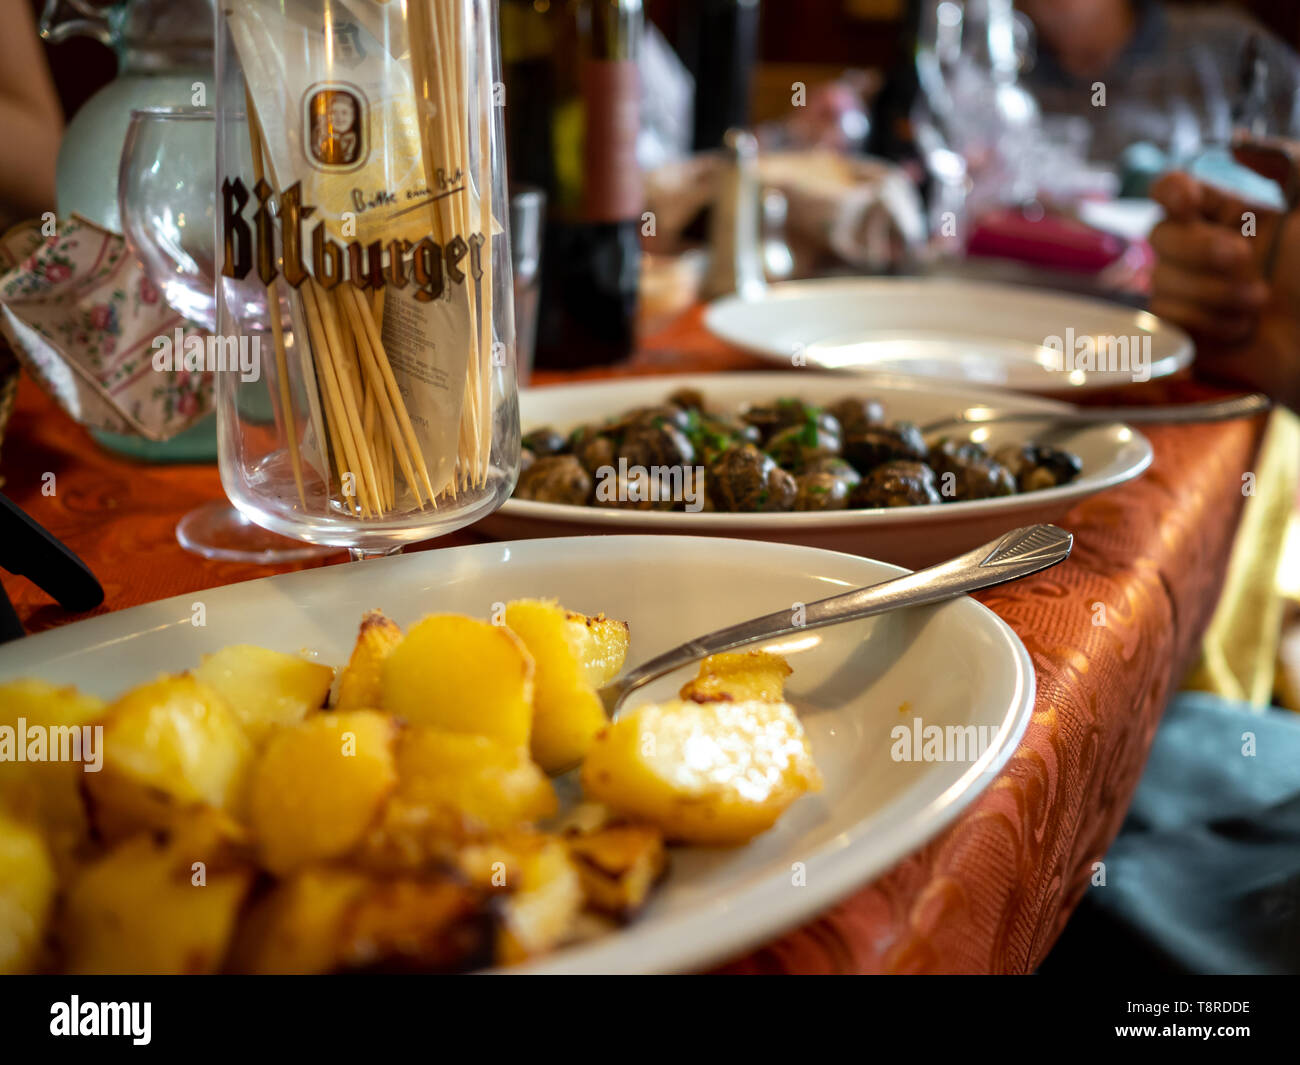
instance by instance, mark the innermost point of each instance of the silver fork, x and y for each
(1218, 410)
(1014, 555)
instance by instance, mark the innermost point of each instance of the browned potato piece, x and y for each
(738, 677)
(263, 687)
(318, 785)
(544, 895)
(602, 646)
(146, 908)
(361, 682)
(567, 713)
(434, 923)
(27, 887)
(462, 675)
(295, 929)
(168, 746)
(618, 866)
(321, 920)
(48, 793)
(405, 840)
(710, 773)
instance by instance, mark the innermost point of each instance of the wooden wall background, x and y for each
(804, 40)
(813, 40)
(865, 32)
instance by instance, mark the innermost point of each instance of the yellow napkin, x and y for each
(1240, 649)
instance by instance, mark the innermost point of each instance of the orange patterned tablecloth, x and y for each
(990, 894)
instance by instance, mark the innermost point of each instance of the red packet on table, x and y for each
(1051, 240)
(82, 317)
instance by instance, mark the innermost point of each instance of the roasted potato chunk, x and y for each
(361, 682)
(567, 713)
(323, 920)
(48, 793)
(433, 923)
(543, 894)
(318, 785)
(149, 908)
(27, 888)
(618, 866)
(406, 839)
(48, 704)
(265, 688)
(739, 677)
(470, 784)
(452, 789)
(295, 928)
(602, 646)
(462, 675)
(709, 773)
(168, 746)
(42, 703)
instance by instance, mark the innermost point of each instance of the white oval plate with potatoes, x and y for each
(953, 665)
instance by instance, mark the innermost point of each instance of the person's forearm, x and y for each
(27, 163)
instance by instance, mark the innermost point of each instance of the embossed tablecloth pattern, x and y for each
(991, 893)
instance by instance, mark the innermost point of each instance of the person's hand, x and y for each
(1209, 278)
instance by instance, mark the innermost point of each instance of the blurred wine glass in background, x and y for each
(978, 128)
(167, 204)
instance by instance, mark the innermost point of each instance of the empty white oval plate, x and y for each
(954, 330)
(906, 536)
(952, 666)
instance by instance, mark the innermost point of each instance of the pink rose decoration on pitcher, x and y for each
(101, 316)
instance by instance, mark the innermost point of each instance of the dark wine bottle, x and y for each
(719, 44)
(573, 106)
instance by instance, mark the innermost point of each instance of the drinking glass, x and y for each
(165, 200)
(364, 270)
(166, 195)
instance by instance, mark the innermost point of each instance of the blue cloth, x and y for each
(1205, 874)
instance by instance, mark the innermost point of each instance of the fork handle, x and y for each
(1016, 554)
(1217, 410)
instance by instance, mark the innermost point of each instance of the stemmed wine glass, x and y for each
(166, 200)
(363, 258)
